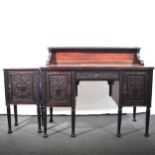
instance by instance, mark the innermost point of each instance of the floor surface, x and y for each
(95, 136)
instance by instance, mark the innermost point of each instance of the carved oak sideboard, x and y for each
(22, 87)
(130, 83)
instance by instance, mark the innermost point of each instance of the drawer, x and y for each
(97, 75)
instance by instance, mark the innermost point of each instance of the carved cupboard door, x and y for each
(135, 88)
(58, 88)
(22, 86)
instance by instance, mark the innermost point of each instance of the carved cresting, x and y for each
(21, 86)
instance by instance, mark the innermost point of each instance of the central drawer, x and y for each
(97, 75)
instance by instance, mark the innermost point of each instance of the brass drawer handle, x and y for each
(97, 76)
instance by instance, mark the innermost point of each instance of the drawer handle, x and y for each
(97, 76)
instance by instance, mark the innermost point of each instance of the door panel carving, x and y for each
(58, 88)
(22, 87)
(135, 88)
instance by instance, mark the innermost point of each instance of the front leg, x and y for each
(44, 110)
(42, 119)
(119, 122)
(73, 122)
(9, 118)
(147, 122)
(134, 113)
(16, 115)
(39, 118)
(51, 114)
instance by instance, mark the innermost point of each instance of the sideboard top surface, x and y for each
(83, 67)
(101, 49)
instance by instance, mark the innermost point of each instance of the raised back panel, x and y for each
(94, 56)
(91, 58)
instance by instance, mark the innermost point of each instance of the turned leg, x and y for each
(76, 88)
(73, 122)
(16, 115)
(119, 122)
(45, 121)
(134, 113)
(147, 122)
(110, 82)
(42, 119)
(51, 114)
(9, 119)
(39, 118)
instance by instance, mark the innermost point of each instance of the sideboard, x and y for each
(56, 84)
(22, 87)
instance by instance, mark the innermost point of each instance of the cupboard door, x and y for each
(58, 88)
(22, 87)
(135, 88)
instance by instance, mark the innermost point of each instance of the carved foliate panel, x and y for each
(21, 86)
(135, 88)
(58, 88)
